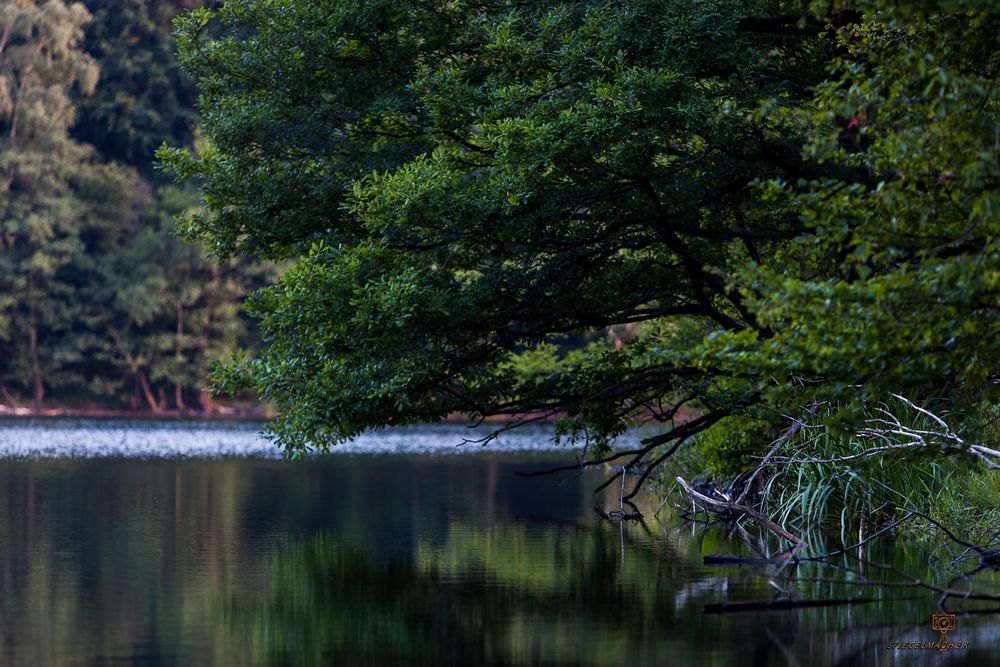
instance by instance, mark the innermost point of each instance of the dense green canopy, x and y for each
(601, 210)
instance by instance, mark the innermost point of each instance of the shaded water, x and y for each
(396, 559)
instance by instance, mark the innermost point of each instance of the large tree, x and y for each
(464, 186)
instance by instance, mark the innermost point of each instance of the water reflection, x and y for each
(403, 560)
(513, 595)
(508, 595)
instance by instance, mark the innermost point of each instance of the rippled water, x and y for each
(137, 557)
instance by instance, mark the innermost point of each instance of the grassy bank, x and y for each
(817, 477)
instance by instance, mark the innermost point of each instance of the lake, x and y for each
(181, 543)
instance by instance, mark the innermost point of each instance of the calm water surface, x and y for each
(129, 543)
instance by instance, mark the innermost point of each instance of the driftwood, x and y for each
(758, 605)
(744, 509)
(726, 559)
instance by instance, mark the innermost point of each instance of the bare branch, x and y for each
(743, 509)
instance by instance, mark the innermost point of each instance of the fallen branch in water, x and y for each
(758, 605)
(954, 538)
(744, 509)
(727, 559)
(920, 583)
(836, 552)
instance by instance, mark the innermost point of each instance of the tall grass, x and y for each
(840, 495)
(804, 486)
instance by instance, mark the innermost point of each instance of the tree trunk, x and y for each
(39, 389)
(205, 400)
(133, 400)
(147, 391)
(204, 397)
(38, 394)
(11, 401)
(141, 383)
(179, 359)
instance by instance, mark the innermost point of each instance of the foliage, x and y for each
(163, 327)
(789, 205)
(732, 450)
(143, 99)
(971, 500)
(459, 184)
(99, 301)
(42, 172)
(897, 282)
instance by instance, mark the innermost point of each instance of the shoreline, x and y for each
(217, 413)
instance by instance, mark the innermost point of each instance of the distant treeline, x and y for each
(101, 304)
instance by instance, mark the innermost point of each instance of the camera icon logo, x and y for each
(943, 623)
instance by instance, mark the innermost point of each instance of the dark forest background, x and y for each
(102, 304)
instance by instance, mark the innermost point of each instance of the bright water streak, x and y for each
(107, 438)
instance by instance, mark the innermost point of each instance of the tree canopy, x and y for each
(603, 211)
